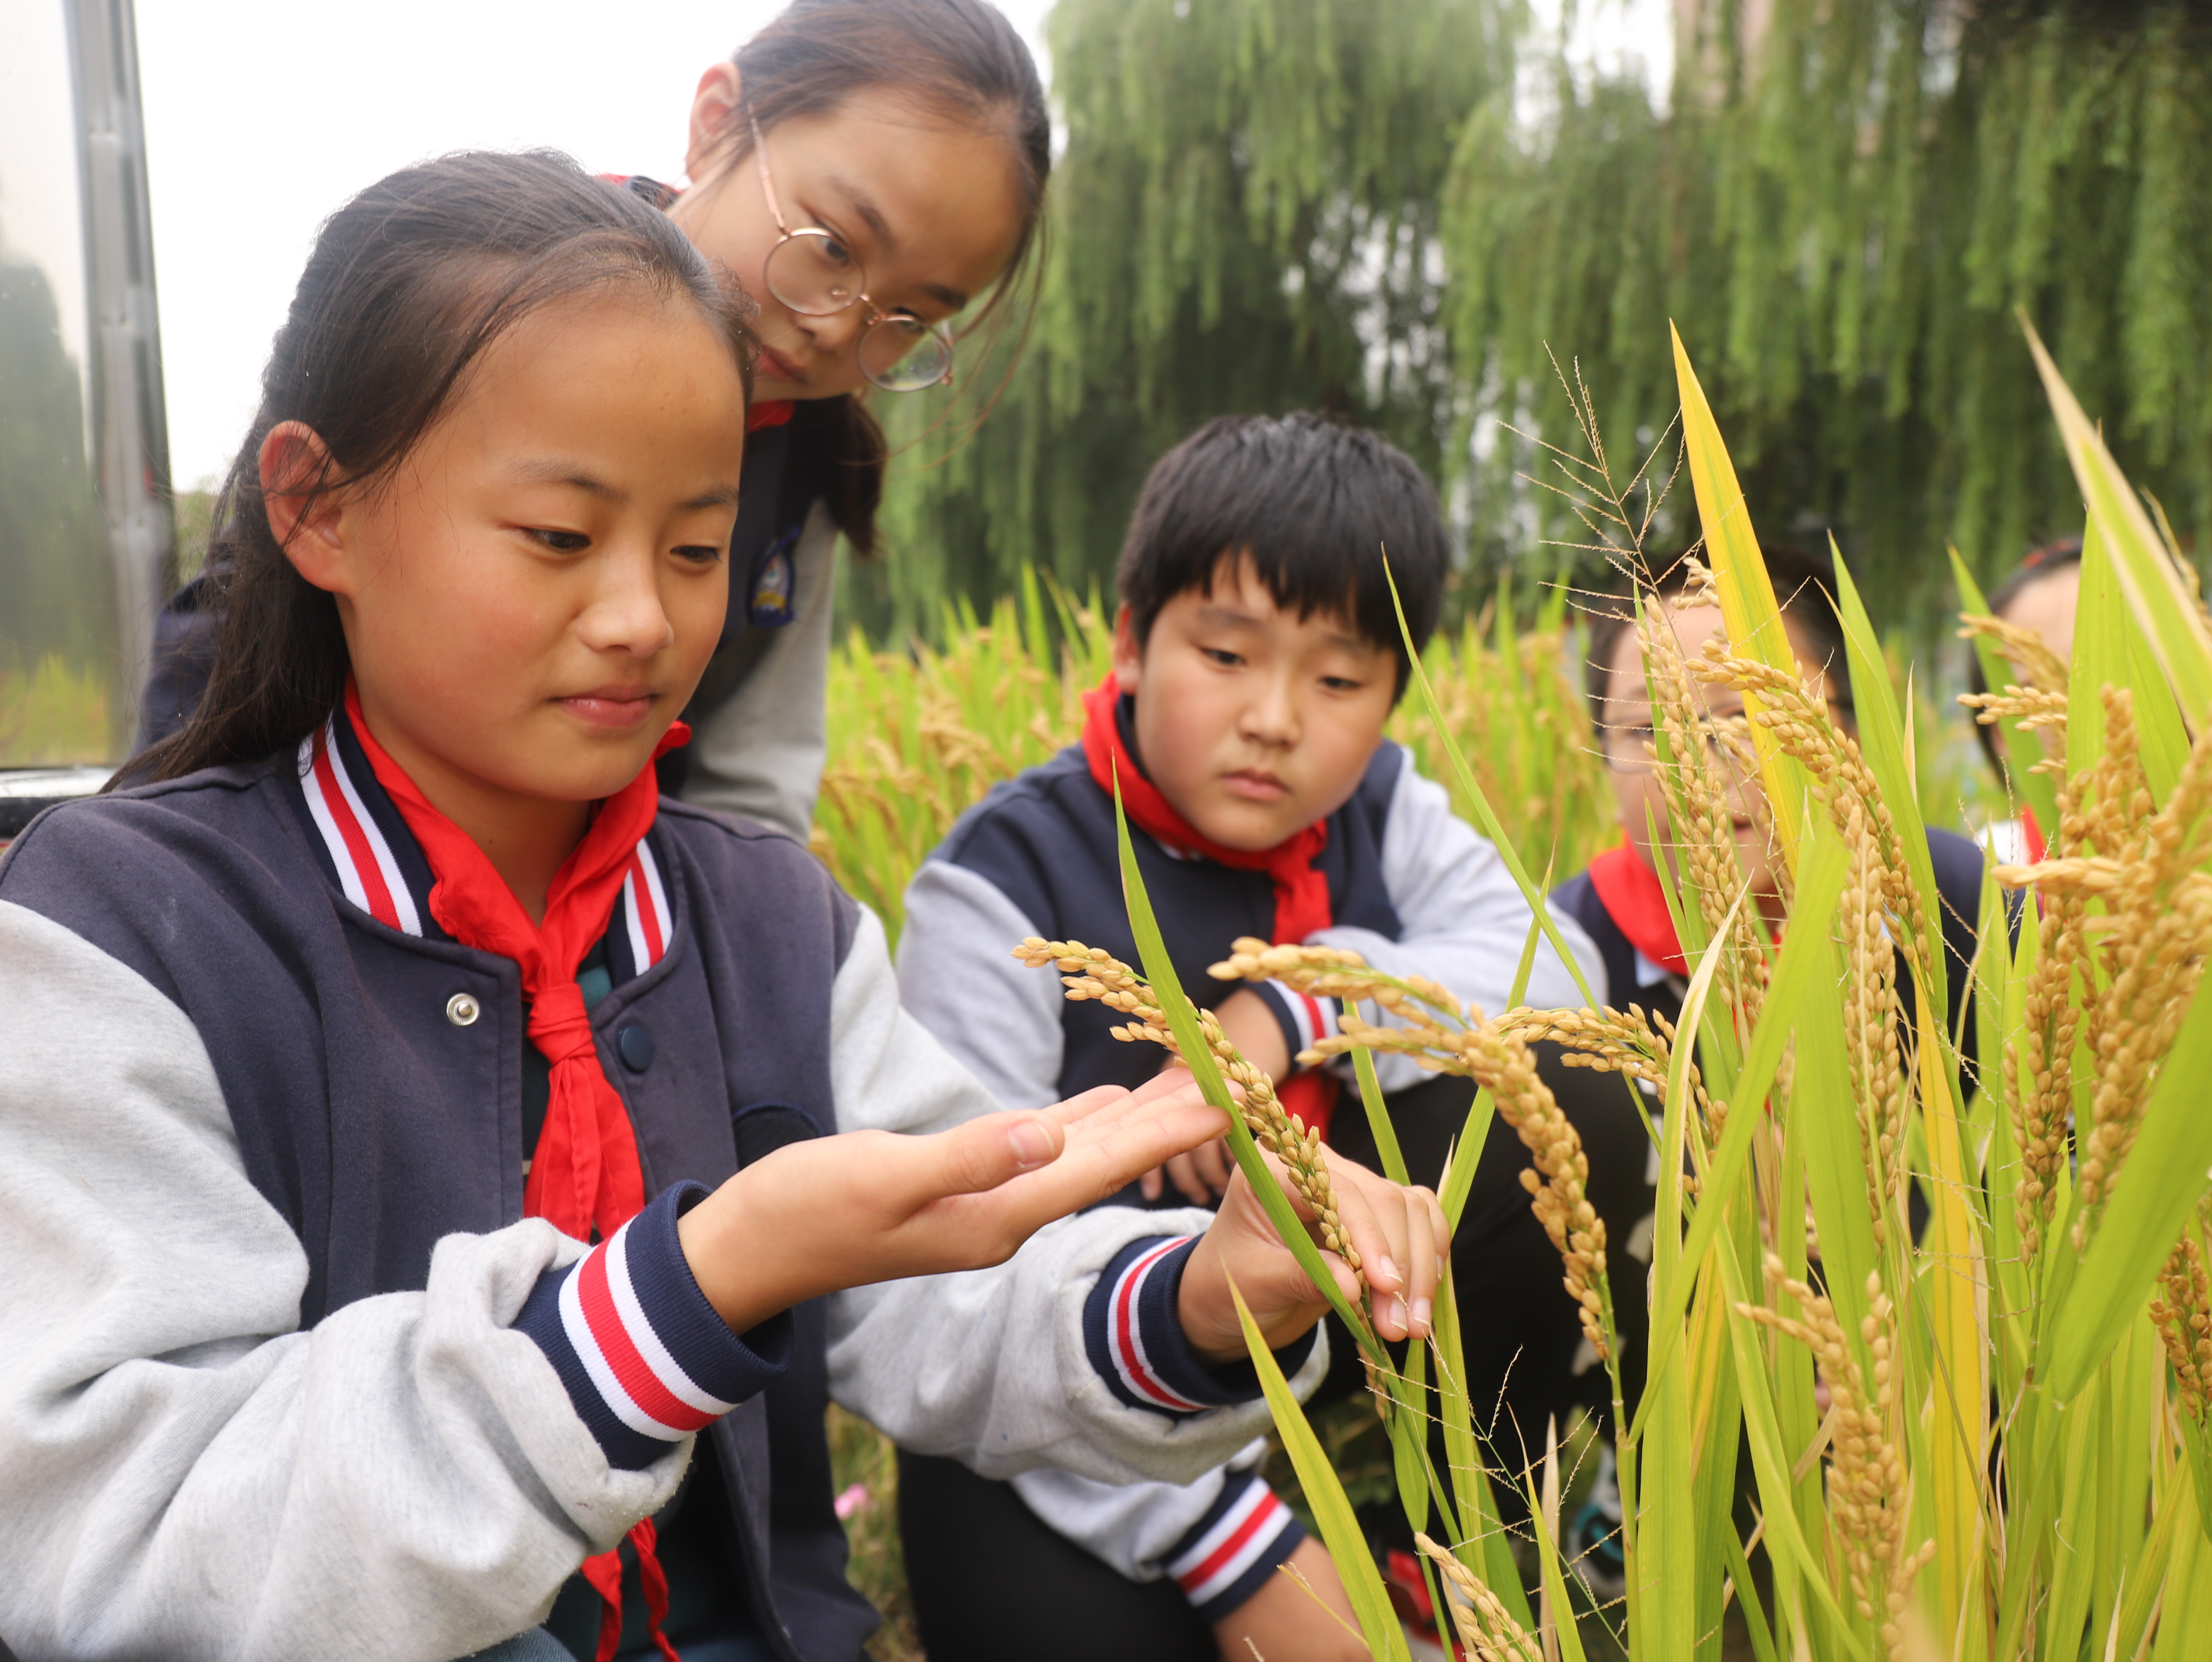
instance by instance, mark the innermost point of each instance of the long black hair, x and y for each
(960, 59)
(408, 286)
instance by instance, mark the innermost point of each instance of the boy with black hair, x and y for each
(1257, 658)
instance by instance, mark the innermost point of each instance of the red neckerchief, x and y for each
(1302, 903)
(1637, 903)
(584, 1176)
(770, 412)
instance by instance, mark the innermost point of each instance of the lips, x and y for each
(776, 366)
(1255, 784)
(609, 706)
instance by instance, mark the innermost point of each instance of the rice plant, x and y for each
(1979, 1427)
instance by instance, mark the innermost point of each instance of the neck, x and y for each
(524, 838)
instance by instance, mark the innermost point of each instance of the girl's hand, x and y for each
(818, 1217)
(1400, 1234)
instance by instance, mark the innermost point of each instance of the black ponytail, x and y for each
(408, 286)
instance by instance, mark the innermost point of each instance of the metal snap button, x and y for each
(462, 1011)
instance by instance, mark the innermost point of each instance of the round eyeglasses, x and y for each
(816, 275)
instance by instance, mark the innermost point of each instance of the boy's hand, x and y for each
(1248, 1022)
(834, 1212)
(1283, 1623)
(1399, 1234)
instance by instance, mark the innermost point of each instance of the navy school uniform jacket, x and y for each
(1412, 888)
(289, 1375)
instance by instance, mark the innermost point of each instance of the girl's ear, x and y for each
(1128, 652)
(305, 521)
(717, 107)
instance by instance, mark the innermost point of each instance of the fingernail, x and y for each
(1398, 1315)
(1386, 1270)
(1031, 1147)
(1421, 1312)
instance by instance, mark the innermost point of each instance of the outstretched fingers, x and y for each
(1402, 1237)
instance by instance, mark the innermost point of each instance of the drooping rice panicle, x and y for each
(2182, 1311)
(1869, 1498)
(1093, 973)
(1870, 1023)
(2039, 667)
(1485, 1629)
(1449, 1037)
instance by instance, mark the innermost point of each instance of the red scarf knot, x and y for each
(1302, 907)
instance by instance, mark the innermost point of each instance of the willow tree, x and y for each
(1244, 218)
(1844, 208)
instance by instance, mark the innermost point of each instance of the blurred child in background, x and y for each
(1257, 657)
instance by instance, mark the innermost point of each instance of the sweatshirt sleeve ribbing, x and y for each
(646, 1360)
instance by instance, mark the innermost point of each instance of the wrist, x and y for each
(737, 1254)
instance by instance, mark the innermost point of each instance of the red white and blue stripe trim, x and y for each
(646, 920)
(1231, 1551)
(1125, 1337)
(646, 1361)
(1134, 1336)
(367, 867)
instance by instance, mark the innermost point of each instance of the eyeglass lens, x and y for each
(815, 275)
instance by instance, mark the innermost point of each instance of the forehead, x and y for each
(944, 196)
(1693, 626)
(1236, 597)
(621, 368)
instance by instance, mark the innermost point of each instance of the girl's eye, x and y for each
(1341, 683)
(835, 252)
(562, 542)
(700, 554)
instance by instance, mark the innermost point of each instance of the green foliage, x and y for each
(1244, 219)
(55, 714)
(2014, 1450)
(1847, 208)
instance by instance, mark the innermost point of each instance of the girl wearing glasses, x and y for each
(869, 170)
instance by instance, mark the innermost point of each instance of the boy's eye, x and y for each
(700, 554)
(1217, 655)
(1341, 683)
(561, 541)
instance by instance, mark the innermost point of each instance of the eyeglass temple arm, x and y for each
(767, 185)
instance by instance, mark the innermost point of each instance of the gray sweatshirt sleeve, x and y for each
(989, 1366)
(759, 752)
(188, 1474)
(959, 978)
(1462, 919)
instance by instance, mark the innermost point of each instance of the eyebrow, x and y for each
(555, 472)
(864, 206)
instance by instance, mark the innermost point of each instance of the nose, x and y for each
(626, 613)
(1270, 718)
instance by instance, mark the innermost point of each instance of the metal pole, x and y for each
(130, 415)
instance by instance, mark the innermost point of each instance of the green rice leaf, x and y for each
(2164, 1178)
(1340, 1529)
(2161, 600)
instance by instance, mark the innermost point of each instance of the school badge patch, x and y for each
(774, 582)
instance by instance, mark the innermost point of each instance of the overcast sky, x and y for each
(262, 116)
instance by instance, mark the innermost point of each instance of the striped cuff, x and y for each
(1230, 1552)
(1306, 1019)
(1136, 1341)
(646, 1361)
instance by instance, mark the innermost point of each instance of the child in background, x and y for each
(325, 1061)
(1257, 658)
(2041, 593)
(865, 168)
(1622, 909)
